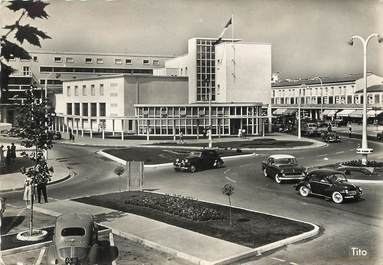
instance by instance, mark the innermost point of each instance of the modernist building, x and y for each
(231, 79)
(336, 97)
(55, 67)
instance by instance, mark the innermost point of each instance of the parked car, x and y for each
(331, 137)
(328, 183)
(75, 241)
(379, 136)
(309, 129)
(283, 168)
(198, 160)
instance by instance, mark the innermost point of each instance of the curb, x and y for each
(365, 181)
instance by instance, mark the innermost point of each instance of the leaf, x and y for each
(11, 50)
(33, 8)
(30, 34)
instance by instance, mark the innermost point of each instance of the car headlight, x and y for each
(177, 160)
(186, 160)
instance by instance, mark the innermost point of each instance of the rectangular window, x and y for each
(377, 99)
(349, 99)
(101, 89)
(68, 91)
(128, 61)
(92, 90)
(93, 109)
(100, 60)
(156, 62)
(88, 60)
(69, 60)
(118, 61)
(85, 109)
(76, 108)
(84, 90)
(145, 61)
(35, 59)
(26, 71)
(76, 90)
(102, 109)
(57, 59)
(69, 108)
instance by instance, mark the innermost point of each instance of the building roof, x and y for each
(374, 88)
(325, 80)
(102, 54)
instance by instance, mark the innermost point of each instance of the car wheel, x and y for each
(265, 172)
(337, 197)
(193, 169)
(304, 191)
(219, 164)
(277, 179)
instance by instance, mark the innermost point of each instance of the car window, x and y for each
(286, 161)
(270, 160)
(338, 177)
(315, 177)
(73, 231)
(195, 154)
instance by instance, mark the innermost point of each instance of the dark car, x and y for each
(379, 135)
(198, 160)
(331, 137)
(283, 168)
(330, 184)
(75, 241)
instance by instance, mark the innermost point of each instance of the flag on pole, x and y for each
(223, 32)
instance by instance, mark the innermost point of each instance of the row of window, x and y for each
(84, 90)
(45, 69)
(332, 90)
(74, 109)
(90, 60)
(356, 99)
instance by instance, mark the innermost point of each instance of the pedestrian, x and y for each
(9, 156)
(349, 131)
(243, 133)
(181, 138)
(42, 188)
(70, 135)
(13, 152)
(28, 186)
(2, 160)
(204, 133)
(239, 133)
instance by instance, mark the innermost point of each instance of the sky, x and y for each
(308, 37)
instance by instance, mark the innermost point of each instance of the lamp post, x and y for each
(299, 110)
(321, 99)
(364, 150)
(210, 123)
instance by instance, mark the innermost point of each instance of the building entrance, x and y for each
(235, 125)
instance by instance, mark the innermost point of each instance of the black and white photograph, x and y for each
(181, 132)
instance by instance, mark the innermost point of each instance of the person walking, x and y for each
(2, 161)
(13, 152)
(28, 186)
(181, 138)
(42, 188)
(349, 131)
(9, 156)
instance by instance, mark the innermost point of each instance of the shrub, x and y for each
(358, 163)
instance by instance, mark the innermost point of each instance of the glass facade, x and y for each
(205, 70)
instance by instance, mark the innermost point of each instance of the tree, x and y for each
(119, 171)
(9, 50)
(228, 190)
(34, 121)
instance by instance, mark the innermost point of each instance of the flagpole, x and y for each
(232, 45)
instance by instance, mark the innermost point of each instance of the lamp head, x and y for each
(351, 42)
(380, 39)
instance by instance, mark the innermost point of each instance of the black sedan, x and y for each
(329, 184)
(331, 137)
(198, 160)
(283, 168)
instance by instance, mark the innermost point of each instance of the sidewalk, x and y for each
(194, 247)
(15, 181)
(372, 130)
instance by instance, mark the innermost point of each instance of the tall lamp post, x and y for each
(364, 150)
(210, 123)
(299, 110)
(321, 99)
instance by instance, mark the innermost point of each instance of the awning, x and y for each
(290, 112)
(357, 113)
(279, 111)
(329, 112)
(374, 113)
(345, 113)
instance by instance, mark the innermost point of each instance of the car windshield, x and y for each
(286, 161)
(337, 178)
(198, 154)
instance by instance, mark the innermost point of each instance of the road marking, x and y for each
(111, 240)
(322, 155)
(227, 170)
(42, 252)
(281, 260)
(293, 263)
(340, 152)
(229, 179)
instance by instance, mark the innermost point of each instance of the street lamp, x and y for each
(210, 123)
(321, 99)
(364, 150)
(299, 110)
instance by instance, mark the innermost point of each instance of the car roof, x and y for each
(280, 156)
(74, 219)
(323, 172)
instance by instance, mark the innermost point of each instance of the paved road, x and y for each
(357, 224)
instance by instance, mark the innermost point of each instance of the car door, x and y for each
(205, 159)
(319, 185)
(270, 167)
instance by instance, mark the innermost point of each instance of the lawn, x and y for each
(157, 155)
(249, 229)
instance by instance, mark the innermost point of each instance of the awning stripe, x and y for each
(345, 112)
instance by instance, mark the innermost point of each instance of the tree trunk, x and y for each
(230, 212)
(32, 199)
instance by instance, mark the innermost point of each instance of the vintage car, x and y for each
(75, 242)
(198, 160)
(328, 183)
(331, 137)
(283, 168)
(309, 129)
(379, 136)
